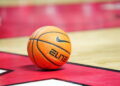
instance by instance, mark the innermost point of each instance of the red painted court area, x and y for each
(23, 20)
(17, 21)
(21, 70)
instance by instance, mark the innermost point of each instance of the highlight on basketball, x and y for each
(59, 42)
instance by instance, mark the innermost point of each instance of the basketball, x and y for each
(49, 47)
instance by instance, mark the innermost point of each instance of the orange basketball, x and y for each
(49, 47)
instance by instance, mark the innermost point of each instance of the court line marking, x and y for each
(6, 71)
(49, 79)
(108, 69)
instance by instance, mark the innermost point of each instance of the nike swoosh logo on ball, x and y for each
(59, 40)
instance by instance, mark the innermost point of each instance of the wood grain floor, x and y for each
(98, 47)
(44, 2)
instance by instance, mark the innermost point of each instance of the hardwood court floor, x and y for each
(97, 47)
(44, 2)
